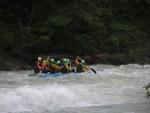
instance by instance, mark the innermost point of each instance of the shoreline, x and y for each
(9, 63)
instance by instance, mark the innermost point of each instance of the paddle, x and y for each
(40, 72)
(70, 65)
(89, 67)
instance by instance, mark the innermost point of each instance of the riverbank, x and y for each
(9, 63)
(26, 62)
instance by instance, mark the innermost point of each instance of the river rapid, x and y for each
(114, 89)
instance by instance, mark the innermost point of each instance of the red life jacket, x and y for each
(37, 64)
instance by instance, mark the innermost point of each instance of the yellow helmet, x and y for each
(39, 58)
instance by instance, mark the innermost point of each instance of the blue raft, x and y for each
(54, 75)
(59, 74)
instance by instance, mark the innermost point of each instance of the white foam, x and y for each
(111, 85)
(52, 96)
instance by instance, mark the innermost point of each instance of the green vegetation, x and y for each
(73, 26)
(147, 88)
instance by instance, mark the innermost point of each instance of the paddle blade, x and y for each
(93, 70)
(40, 72)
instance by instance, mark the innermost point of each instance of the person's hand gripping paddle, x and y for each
(89, 67)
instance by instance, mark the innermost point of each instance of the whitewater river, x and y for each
(114, 89)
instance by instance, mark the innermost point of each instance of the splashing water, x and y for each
(114, 89)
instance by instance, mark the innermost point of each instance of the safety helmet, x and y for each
(44, 61)
(39, 58)
(83, 61)
(52, 60)
(64, 59)
(58, 62)
(68, 60)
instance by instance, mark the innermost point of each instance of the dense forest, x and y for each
(74, 27)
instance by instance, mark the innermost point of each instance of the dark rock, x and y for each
(24, 62)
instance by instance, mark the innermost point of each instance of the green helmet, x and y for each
(58, 62)
(64, 59)
(68, 60)
(52, 60)
(83, 61)
(44, 61)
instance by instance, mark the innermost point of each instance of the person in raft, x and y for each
(59, 64)
(38, 65)
(81, 66)
(53, 67)
(65, 68)
(45, 66)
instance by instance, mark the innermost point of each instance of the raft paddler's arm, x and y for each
(43, 65)
(77, 62)
(67, 67)
(55, 66)
(47, 60)
(85, 67)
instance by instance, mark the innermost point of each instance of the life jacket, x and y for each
(79, 68)
(36, 64)
(50, 67)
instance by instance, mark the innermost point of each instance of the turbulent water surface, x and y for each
(114, 89)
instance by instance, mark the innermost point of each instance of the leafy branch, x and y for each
(147, 88)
